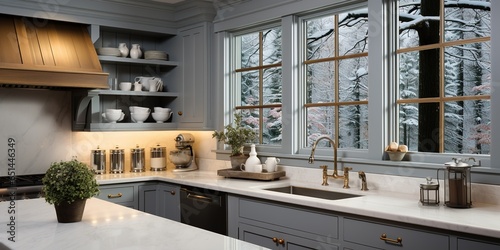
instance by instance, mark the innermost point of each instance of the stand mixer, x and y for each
(183, 158)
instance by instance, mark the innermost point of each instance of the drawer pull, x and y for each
(279, 241)
(113, 196)
(172, 192)
(399, 240)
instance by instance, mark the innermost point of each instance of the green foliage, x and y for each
(69, 181)
(235, 135)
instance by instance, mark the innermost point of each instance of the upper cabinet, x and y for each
(194, 106)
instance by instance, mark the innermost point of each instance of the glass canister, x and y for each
(429, 192)
(137, 160)
(117, 159)
(158, 158)
(98, 160)
(457, 183)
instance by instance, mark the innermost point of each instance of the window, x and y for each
(444, 76)
(426, 82)
(336, 78)
(258, 75)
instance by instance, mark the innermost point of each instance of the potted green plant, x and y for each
(235, 135)
(68, 185)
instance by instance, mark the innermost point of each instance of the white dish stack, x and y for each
(108, 51)
(156, 55)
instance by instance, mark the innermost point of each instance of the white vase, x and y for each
(123, 49)
(135, 51)
(252, 159)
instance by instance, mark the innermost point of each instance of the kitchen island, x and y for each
(104, 226)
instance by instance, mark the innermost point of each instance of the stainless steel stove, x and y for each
(21, 187)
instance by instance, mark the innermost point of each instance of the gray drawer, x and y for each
(369, 234)
(117, 194)
(293, 218)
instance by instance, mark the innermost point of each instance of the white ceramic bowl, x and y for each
(125, 86)
(112, 116)
(134, 109)
(160, 117)
(163, 110)
(139, 117)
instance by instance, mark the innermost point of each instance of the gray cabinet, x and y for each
(385, 236)
(278, 226)
(466, 244)
(160, 199)
(123, 194)
(194, 105)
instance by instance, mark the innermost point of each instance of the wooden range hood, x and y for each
(42, 53)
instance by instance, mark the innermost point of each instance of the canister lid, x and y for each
(137, 149)
(429, 184)
(158, 148)
(98, 151)
(117, 150)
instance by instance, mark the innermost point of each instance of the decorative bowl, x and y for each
(396, 155)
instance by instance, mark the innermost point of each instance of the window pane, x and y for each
(271, 46)
(320, 82)
(408, 126)
(250, 50)
(320, 38)
(320, 121)
(250, 118)
(353, 32)
(272, 126)
(272, 88)
(467, 127)
(408, 75)
(250, 88)
(353, 127)
(353, 79)
(467, 70)
(418, 22)
(466, 23)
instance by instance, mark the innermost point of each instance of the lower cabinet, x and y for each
(277, 226)
(466, 244)
(123, 194)
(160, 199)
(366, 234)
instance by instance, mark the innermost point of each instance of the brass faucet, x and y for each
(324, 167)
(362, 176)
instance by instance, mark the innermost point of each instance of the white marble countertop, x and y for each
(104, 225)
(382, 203)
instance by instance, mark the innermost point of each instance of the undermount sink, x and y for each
(317, 193)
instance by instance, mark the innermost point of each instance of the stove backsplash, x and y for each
(40, 123)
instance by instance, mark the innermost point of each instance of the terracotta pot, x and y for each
(70, 212)
(236, 161)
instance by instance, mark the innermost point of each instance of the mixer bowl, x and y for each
(180, 158)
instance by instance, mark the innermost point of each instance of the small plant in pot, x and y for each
(236, 135)
(68, 185)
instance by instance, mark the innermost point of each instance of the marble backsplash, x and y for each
(40, 126)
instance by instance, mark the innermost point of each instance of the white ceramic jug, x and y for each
(135, 51)
(123, 49)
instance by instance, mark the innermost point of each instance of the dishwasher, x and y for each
(204, 208)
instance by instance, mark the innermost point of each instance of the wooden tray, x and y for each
(231, 173)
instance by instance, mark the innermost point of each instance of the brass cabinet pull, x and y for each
(172, 192)
(113, 196)
(399, 240)
(179, 113)
(279, 241)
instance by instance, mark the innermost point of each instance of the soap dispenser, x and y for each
(253, 159)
